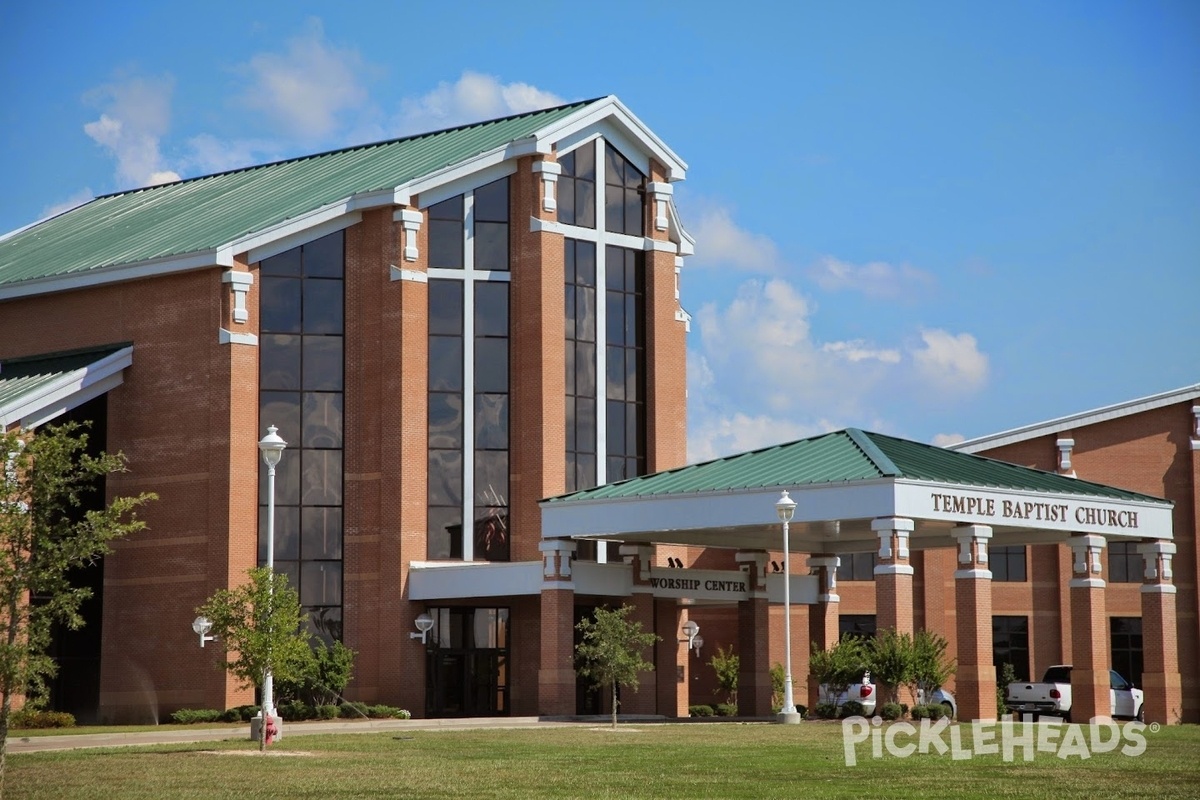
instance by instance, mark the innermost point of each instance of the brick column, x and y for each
(673, 660)
(975, 683)
(754, 639)
(1090, 683)
(893, 575)
(556, 677)
(644, 699)
(823, 617)
(1160, 639)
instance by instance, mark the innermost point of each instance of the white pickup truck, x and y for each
(1052, 697)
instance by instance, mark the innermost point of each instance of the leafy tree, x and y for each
(726, 664)
(890, 657)
(778, 679)
(326, 672)
(261, 622)
(931, 667)
(610, 654)
(840, 665)
(47, 483)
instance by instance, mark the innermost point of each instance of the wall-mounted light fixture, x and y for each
(424, 625)
(202, 625)
(694, 641)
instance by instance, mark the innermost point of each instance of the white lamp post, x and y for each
(272, 450)
(785, 507)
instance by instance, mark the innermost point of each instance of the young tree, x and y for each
(839, 666)
(890, 657)
(47, 483)
(931, 667)
(326, 672)
(727, 664)
(260, 621)
(610, 654)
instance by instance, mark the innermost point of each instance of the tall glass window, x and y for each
(624, 192)
(467, 662)
(1127, 651)
(857, 567)
(468, 454)
(1010, 645)
(577, 187)
(625, 372)
(580, 314)
(445, 499)
(301, 393)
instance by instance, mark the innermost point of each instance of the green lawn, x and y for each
(718, 760)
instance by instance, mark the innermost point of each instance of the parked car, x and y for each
(1052, 696)
(867, 693)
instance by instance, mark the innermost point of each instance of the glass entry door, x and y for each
(467, 663)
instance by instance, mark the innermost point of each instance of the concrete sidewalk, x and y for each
(33, 744)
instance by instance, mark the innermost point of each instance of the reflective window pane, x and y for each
(287, 533)
(279, 305)
(491, 202)
(445, 532)
(446, 244)
(323, 257)
(445, 420)
(323, 306)
(445, 478)
(491, 477)
(615, 377)
(286, 263)
(322, 420)
(451, 209)
(324, 622)
(322, 363)
(585, 425)
(614, 209)
(279, 361)
(445, 363)
(566, 201)
(321, 533)
(491, 308)
(615, 425)
(491, 421)
(445, 307)
(491, 246)
(585, 369)
(321, 477)
(320, 583)
(585, 204)
(287, 479)
(281, 409)
(491, 365)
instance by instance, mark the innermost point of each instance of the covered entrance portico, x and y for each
(863, 492)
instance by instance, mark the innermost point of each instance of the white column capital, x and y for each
(411, 219)
(1157, 556)
(549, 170)
(1086, 569)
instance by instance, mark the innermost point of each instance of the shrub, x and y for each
(904, 709)
(240, 714)
(700, 711)
(295, 711)
(937, 711)
(727, 665)
(825, 710)
(891, 711)
(191, 716)
(38, 718)
(802, 711)
(852, 708)
(326, 711)
(354, 710)
(1007, 675)
(727, 710)
(387, 712)
(327, 669)
(778, 679)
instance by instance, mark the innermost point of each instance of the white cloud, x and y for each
(77, 199)
(947, 439)
(951, 363)
(136, 112)
(473, 97)
(207, 154)
(877, 279)
(716, 436)
(721, 242)
(306, 89)
(857, 350)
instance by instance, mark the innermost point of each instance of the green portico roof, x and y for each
(848, 456)
(201, 214)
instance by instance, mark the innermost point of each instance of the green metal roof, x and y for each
(201, 214)
(847, 456)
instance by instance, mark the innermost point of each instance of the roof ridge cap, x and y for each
(872, 451)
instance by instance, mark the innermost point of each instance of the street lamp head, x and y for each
(690, 629)
(272, 446)
(785, 507)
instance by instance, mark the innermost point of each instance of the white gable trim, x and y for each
(1080, 420)
(69, 391)
(610, 108)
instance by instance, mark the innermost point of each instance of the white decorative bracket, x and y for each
(550, 172)
(1086, 551)
(662, 195)
(240, 283)
(973, 550)
(1064, 456)
(411, 219)
(1157, 556)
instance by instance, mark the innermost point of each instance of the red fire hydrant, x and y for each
(272, 731)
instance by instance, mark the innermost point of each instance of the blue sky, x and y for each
(929, 219)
